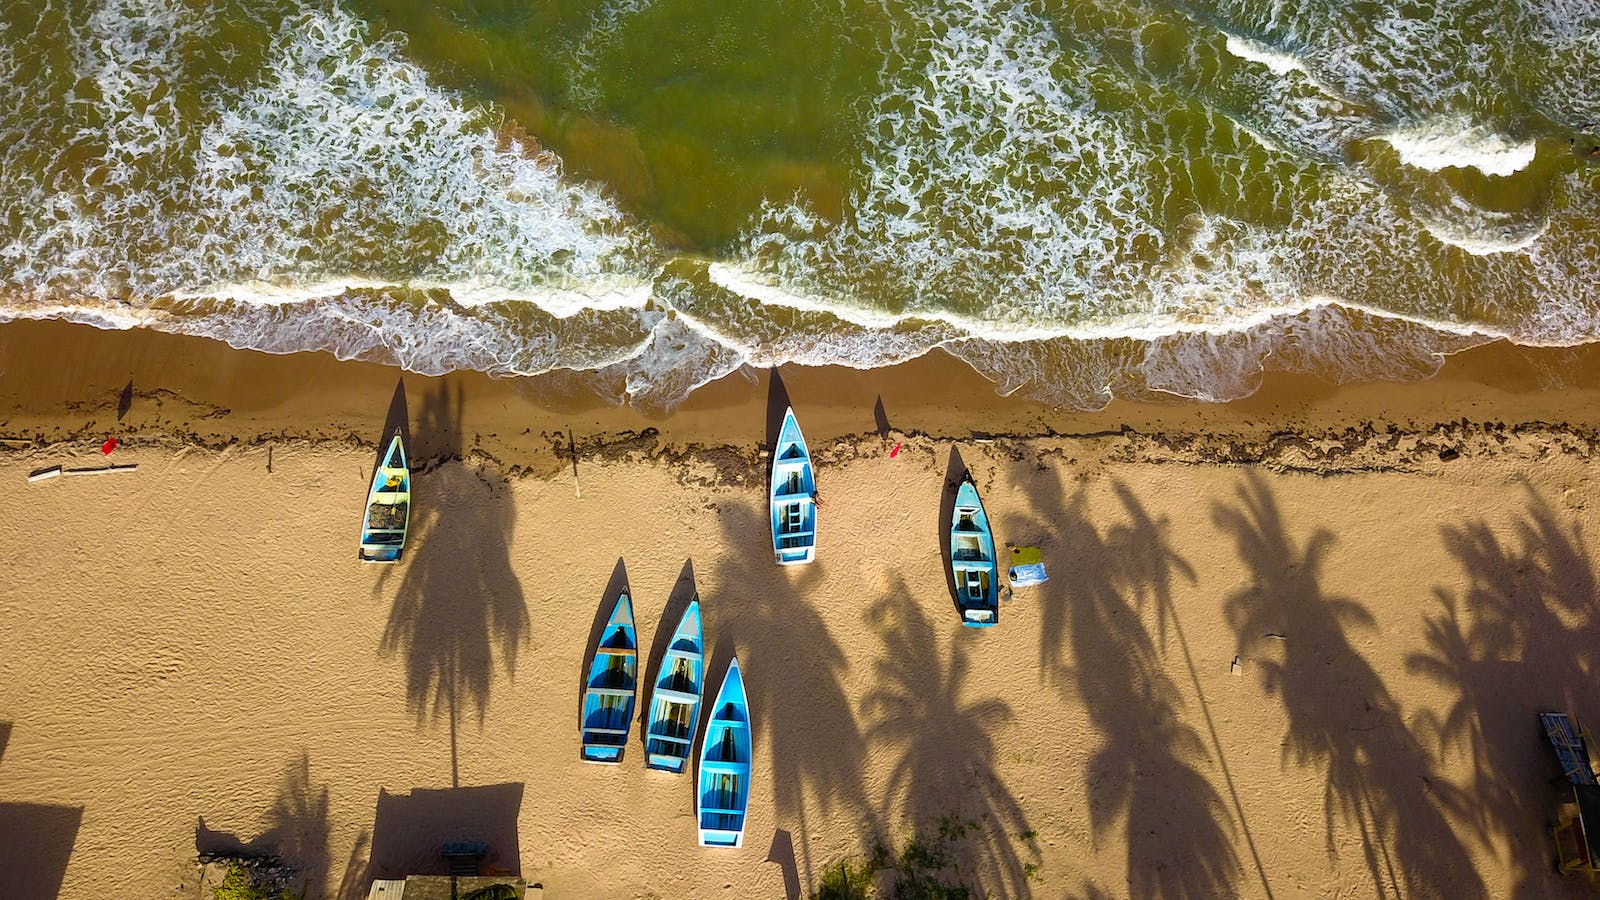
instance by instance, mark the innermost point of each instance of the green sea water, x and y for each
(1080, 199)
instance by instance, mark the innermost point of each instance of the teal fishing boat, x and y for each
(608, 694)
(383, 528)
(675, 699)
(972, 562)
(793, 498)
(724, 789)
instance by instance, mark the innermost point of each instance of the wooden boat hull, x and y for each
(675, 698)
(387, 518)
(792, 497)
(973, 566)
(722, 795)
(607, 713)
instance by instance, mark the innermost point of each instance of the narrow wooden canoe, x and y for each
(608, 694)
(972, 561)
(388, 515)
(724, 788)
(675, 699)
(793, 497)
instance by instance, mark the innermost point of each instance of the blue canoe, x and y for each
(724, 790)
(675, 699)
(388, 515)
(608, 695)
(793, 497)
(972, 561)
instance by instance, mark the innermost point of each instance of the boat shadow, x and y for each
(615, 588)
(396, 421)
(777, 404)
(955, 473)
(36, 843)
(683, 593)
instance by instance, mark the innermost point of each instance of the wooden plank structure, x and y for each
(1577, 828)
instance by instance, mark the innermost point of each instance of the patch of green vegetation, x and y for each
(240, 884)
(845, 879)
(920, 868)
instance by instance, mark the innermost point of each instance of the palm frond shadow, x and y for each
(945, 777)
(458, 615)
(297, 830)
(1149, 774)
(795, 675)
(1522, 637)
(1342, 719)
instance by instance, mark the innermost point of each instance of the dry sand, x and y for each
(191, 659)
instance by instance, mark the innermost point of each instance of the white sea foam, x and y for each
(1563, 39)
(562, 301)
(1487, 238)
(342, 163)
(1450, 143)
(1278, 62)
(603, 32)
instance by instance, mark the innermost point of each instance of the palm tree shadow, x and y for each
(355, 883)
(1149, 771)
(816, 748)
(458, 614)
(1342, 719)
(945, 778)
(1521, 638)
(297, 831)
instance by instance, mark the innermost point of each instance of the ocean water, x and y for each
(1080, 199)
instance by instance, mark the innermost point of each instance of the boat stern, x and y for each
(379, 554)
(715, 837)
(602, 755)
(979, 618)
(661, 762)
(796, 556)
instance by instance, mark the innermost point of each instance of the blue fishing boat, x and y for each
(675, 699)
(724, 789)
(383, 527)
(793, 497)
(972, 562)
(608, 695)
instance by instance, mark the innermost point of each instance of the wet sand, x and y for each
(1291, 646)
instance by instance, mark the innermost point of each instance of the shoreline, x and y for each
(67, 383)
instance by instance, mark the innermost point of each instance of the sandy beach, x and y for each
(1291, 646)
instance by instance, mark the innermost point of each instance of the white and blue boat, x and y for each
(793, 496)
(724, 789)
(972, 561)
(388, 515)
(608, 693)
(675, 699)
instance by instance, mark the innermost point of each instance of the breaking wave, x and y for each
(1082, 202)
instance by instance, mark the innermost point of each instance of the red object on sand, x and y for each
(895, 452)
(108, 446)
